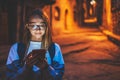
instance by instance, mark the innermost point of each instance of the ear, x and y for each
(26, 26)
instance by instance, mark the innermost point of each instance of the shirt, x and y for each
(13, 56)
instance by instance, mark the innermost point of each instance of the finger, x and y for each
(31, 62)
(37, 55)
(34, 61)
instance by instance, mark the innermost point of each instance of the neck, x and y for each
(36, 39)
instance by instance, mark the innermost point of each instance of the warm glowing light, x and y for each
(62, 16)
(93, 2)
(91, 20)
(108, 11)
(98, 39)
(56, 14)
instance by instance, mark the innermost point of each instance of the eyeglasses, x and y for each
(36, 27)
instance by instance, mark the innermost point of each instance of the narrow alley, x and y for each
(89, 55)
(88, 32)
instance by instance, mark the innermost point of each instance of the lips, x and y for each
(38, 33)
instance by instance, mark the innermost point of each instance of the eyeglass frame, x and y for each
(31, 27)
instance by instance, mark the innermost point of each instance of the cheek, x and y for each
(43, 32)
(32, 32)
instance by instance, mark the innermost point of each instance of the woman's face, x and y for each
(37, 29)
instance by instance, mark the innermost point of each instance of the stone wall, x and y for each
(116, 23)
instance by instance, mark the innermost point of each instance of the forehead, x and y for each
(35, 20)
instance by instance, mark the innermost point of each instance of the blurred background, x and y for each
(79, 26)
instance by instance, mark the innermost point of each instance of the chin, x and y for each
(38, 37)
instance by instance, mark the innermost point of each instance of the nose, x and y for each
(36, 27)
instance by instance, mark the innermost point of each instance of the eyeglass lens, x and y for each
(37, 27)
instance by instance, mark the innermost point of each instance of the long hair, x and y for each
(47, 37)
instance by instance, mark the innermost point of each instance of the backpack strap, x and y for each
(21, 51)
(51, 50)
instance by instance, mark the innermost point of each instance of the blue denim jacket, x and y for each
(54, 71)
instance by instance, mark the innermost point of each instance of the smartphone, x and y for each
(39, 52)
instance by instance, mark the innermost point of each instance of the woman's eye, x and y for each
(41, 25)
(32, 25)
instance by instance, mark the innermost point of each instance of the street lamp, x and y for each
(93, 4)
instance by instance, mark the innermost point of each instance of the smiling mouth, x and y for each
(38, 33)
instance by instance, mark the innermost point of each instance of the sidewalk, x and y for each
(111, 36)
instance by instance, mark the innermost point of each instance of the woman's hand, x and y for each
(30, 60)
(42, 64)
(35, 57)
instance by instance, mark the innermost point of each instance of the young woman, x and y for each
(37, 41)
